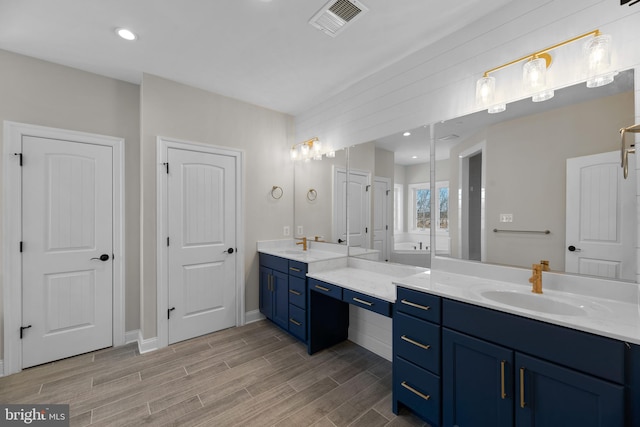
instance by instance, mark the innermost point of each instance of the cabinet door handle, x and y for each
(361, 301)
(413, 390)
(291, 291)
(522, 402)
(322, 288)
(413, 304)
(503, 394)
(409, 340)
(295, 269)
(295, 322)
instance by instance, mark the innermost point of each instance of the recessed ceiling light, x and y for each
(414, 157)
(406, 134)
(126, 34)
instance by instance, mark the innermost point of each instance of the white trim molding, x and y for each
(163, 145)
(147, 345)
(12, 231)
(253, 316)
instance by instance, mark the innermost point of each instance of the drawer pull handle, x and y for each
(295, 269)
(522, 402)
(295, 322)
(322, 288)
(361, 301)
(291, 291)
(413, 304)
(503, 394)
(409, 340)
(413, 390)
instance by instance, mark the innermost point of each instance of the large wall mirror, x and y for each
(545, 176)
(542, 181)
(319, 208)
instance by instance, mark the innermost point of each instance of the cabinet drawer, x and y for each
(274, 262)
(325, 288)
(419, 304)
(297, 268)
(298, 322)
(368, 302)
(298, 292)
(417, 341)
(417, 389)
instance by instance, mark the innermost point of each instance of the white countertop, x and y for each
(606, 317)
(316, 251)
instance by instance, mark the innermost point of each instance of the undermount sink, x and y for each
(534, 302)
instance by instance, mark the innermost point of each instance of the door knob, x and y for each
(341, 241)
(229, 251)
(103, 257)
(574, 249)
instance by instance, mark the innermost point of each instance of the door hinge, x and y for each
(387, 192)
(22, 328)
(21, 246)
(20, 157)
(167, 166)
(366, 230)
(169, 312)
(167, 241)
(367, 188)
(386, 227)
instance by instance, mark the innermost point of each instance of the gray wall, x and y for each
(41, 93)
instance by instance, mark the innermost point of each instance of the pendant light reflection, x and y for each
(597, 54)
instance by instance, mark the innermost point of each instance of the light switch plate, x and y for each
(299, 231)
(286, 231)
(506, 217)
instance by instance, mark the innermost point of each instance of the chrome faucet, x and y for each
(303, 242)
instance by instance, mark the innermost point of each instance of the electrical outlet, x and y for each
(299, 230)
(286, 231)
(506, 217)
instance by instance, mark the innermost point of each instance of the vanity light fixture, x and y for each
(310, 149)
(597, 53)
(126, 34)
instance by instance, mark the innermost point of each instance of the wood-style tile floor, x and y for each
(255, 375)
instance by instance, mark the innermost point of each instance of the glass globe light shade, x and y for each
(597, 52)
(485, 91)
(534, 75)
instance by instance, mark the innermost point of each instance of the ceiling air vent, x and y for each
(335, 15)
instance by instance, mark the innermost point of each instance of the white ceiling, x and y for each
(260, 51)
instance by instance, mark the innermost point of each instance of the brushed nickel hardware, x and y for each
(496, 230)
(295, 269)
(416, 343)
(522, 402)
(362, 301)
(322, 288)
(413, 390)
(295, 322)
(276, 192)
(624, 152)
(413, 304)
(503, 394)
(291, 291)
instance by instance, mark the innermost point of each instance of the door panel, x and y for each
(600, 204)
(67, 221)
(202, 222)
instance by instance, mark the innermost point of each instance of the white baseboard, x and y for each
(253, 316)
(1, 368)
(131, 336)
(146, 345)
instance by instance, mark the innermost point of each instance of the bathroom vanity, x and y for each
(466, 348)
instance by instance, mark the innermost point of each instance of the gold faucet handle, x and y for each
(545, 265)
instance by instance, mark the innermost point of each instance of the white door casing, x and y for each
(381, 213)
(13, 188)
(339, 228)
(352, 205)
(203, 262)
(202, 257)
(601, 217)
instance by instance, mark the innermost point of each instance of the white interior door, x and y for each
(600, 205)
(202, 243)
(381, 195)
(339, 206)
(67, 290)
(359, 206)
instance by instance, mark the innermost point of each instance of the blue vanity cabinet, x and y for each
(417, 354)
(477, 382)
(282, 293)
(508, 370)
